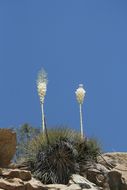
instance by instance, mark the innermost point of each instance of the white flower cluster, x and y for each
(42, 88)
(42, 85)
(80, 94)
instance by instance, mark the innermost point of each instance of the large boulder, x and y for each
(95, 172)
(7, 146)
(115, 180)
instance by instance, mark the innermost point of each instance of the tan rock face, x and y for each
(18, 184)
(117, 176)
(0, 171)
(82, 182)
(7, 146)
(16, 173)
(113, 178)
(73, 186)
(34, 184)
(55, 187)
(118, 160)
(13, 184)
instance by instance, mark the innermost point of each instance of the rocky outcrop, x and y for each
(7, 146)
(109, 173)
(116, 163)
(22, 180)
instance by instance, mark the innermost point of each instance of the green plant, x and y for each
(88, 150)
(56, 133)
(55, 163)
(64, 155)
(24, 135)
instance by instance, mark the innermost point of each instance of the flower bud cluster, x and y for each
(80, 94)
(42, 88)
(42, 85)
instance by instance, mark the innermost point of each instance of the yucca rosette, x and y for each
(80, 94)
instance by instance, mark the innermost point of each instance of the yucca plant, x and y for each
(55, 163)
(65, 154)
(54, 134)
(62, 133)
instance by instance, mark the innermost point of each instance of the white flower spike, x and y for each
(80, 94)
(42, 82)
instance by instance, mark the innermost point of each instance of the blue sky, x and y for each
(75, 42)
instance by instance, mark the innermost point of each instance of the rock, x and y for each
(34, 184)
(18, 184)
(119, 162)
(7, 146)
(73, 187)
(16, 173)
(97, 174)
(0, 171)
(94, 172)
(114, 159)
(83, 182)
(21, 166)
(56, 187)
(124, 186)
(13, 184)
(115, 180)
(13, 166)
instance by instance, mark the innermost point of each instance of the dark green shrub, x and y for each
(88, 150)
(54, 134)
(55, 163)
(65, 154)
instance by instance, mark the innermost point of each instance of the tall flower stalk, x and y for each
(42, 82)
(80, 94)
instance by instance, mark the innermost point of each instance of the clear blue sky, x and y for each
(75, 42)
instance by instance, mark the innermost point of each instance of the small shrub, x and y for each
(54, 134)
(24, 135)
(55, 163)
(65, 154)
(88, 150)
